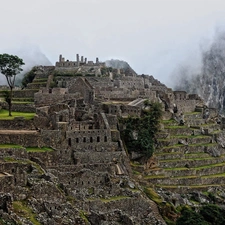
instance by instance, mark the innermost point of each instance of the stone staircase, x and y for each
(189, 158)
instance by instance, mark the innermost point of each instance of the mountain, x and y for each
(209, 83)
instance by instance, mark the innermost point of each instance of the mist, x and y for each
(32, 56)
(207, 77)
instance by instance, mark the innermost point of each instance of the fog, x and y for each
(153, 36)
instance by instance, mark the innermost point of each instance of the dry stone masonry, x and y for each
(68, 164)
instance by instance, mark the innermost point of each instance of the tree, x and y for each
(213, 214)
(190, 217)
(10, 66)
(139, 132)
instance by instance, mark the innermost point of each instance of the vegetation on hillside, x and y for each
(207, 215)
(10, 66)
(4, 115)
(138, 133)
(28, 77)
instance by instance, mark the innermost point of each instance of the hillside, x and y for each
(65, 161)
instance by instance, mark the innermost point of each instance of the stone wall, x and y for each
(26, 93)
(17, 124)
(23, 139)
(19, 107)
(44, 97)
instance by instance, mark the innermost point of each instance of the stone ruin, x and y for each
(86, 175)
(66, 64)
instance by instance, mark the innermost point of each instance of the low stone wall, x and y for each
(23, 139)
(18, 153)
(26, 93)
(190, 163)
(30, 108)
(6, 183)
(19, 123)
(97, 157)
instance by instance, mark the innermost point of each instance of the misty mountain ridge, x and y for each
(209, 83)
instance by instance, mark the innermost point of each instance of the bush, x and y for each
(213, 214)
(28, 77)
(139, 132)
(190, 217)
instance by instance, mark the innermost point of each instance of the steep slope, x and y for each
(209, 83)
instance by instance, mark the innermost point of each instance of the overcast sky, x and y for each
(153, 36)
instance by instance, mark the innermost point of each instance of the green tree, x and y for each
(139, 132)
(190, 217)
(10, 66)
(213, 214)
(28, 77)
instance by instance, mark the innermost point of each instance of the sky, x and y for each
(153, 36)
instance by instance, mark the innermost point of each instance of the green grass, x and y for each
(185, 177)
(114, 198)
(177, 168)
(20, 102)
(84, 217)
(192, 113)
(186, 159)
(189, 186)
(168, 121)
(168, 153)
(153, 195)
(176, 127)
(210, 166)
(203, 144)
(4, 115)
(36, 149)
(189, 136)
(173, 146)
(40, 80)
(196, 168)
(214, 175)
(154, 177)
(25, 161)
(22, 210)
(10, 146)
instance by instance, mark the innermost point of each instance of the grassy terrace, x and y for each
(168, 153)
(28, 149)
(25, 161)
(40, 80)
(4, 115)
(10, 146)
(24, 211)
(167, 122)
(196, 168)
(114, 198)
(192, 113)
(175, 127)
(189, 136)
(186, 159)
(36, 149)
(173, 146)
(183, 137)
(189, 186)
